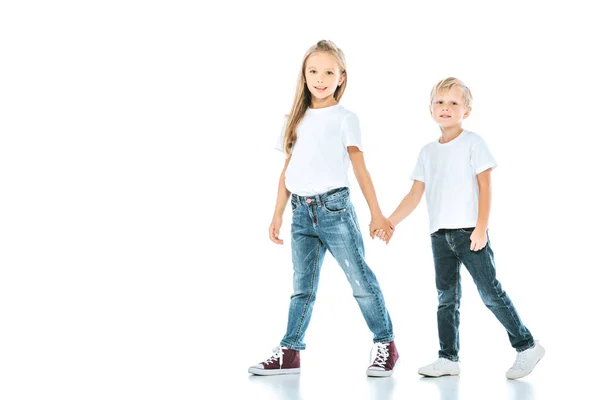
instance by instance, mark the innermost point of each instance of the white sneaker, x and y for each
(526, 361)
(441, 367)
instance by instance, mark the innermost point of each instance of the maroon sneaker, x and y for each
(283, 361)
(385, 359)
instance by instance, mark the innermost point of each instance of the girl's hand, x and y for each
(384, 224)
(478, 239)
(274, 230)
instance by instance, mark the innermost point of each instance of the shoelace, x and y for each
(441, 363)
(520, 361)
(277, 354)
(382, 354)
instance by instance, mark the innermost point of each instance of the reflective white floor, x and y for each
(349, 381)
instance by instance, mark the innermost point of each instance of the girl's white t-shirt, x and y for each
(320, 157)
(449, 171)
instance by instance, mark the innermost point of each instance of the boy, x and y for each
(454, 172)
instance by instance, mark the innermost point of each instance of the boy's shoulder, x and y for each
(428, 147)
(469, 138)
(472, 137)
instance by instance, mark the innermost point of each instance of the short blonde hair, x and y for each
(447, 84)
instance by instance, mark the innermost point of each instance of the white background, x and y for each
(138, 179)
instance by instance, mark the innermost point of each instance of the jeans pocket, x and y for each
(335, 206)
(466, 230)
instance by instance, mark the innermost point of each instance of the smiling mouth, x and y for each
(320, 89)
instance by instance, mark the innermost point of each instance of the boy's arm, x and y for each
(378, 221)
(479, 235)
(408, 203)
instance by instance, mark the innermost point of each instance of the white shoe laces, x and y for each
(277, 355)
(520, 361)
(382, 354)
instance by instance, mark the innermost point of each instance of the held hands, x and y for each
(382, 228)
(478, 239)
(380, 233)
(274, 230)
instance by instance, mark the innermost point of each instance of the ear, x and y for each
(467, 113)
(342, 79)
(431, 110)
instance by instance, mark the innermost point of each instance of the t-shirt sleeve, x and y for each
(419, 171)
(351, 135)
(280, 137)
(481, 158)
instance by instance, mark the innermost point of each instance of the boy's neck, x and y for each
(450, 133)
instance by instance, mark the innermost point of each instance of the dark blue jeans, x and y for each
(328, 222)
(451, 247)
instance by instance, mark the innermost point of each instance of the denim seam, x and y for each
(362, 270)
(456, 306)
(352, 221)
(510, 309)
(312, 291)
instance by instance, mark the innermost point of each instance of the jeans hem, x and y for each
(384, 340)
(289, 346)
(528, 346)
(451, 358)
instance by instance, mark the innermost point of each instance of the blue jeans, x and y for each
(451, 247)
(328, 222)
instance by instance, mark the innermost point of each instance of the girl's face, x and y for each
(448, 108)
(323, 76)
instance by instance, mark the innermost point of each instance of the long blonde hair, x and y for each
(303, 98)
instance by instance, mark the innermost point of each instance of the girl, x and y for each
(320, 138)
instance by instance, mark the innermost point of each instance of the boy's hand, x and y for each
(380, 234)
(381, 223)
(478, 239)
(274, 230)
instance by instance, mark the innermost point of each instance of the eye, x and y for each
(454, 103)
(439, 102)
(312, 71)
(329, 73)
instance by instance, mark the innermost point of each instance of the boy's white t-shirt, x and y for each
(320, 157)
(449, 171)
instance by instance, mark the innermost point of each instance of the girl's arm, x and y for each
(479, 235)
(378, 221)
(283, 195)
(408, 203)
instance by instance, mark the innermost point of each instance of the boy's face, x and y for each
(322, 75)
(448, 108)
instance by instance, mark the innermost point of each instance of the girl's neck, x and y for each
(322, 103)
(450, 133)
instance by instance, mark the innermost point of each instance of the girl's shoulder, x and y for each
(345, 111)
(346, 115)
